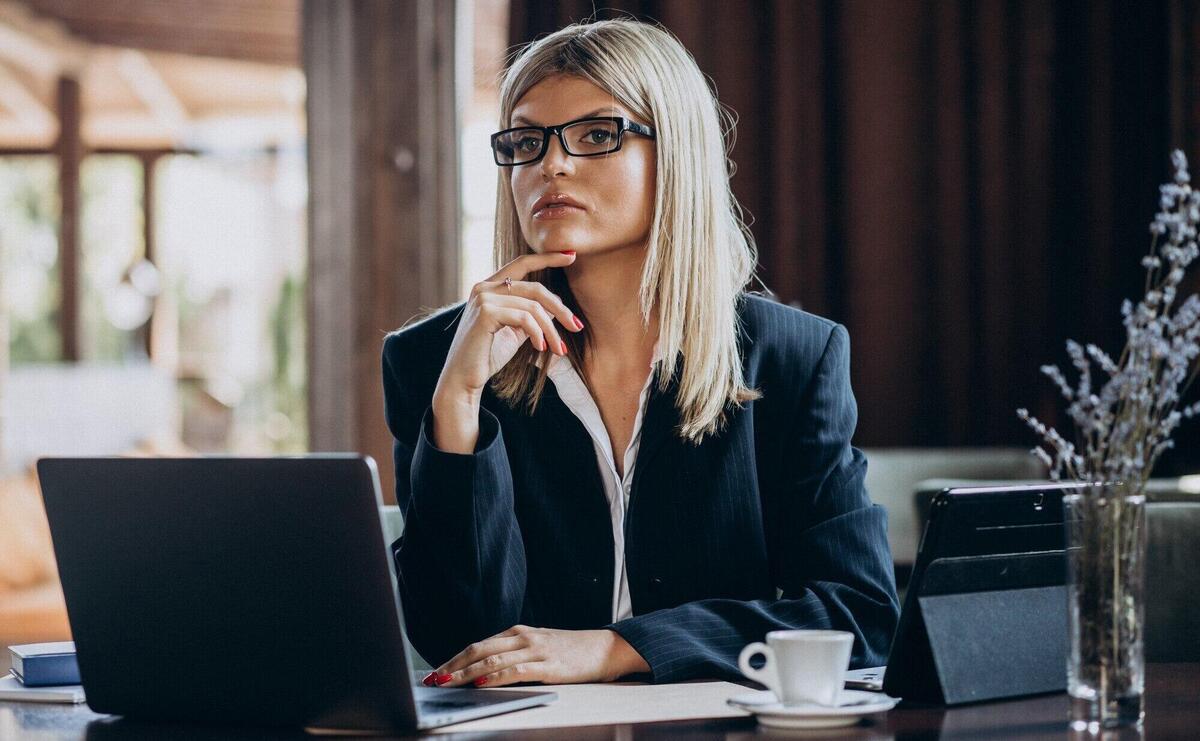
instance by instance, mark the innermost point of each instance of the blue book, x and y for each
(45, 664)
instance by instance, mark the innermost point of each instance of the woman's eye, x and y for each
(527, 144)
(598, 136)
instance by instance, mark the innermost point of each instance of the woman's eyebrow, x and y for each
(598, 111)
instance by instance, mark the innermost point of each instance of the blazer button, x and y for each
(656, 582)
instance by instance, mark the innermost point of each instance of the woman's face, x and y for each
(615, 191)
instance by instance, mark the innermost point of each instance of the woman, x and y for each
(611, 459)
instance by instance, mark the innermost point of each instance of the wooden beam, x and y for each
(132, 151)
(383, 212)
(246, 47)
(261, 31)
(41, 46)
(277, 17)
(21, 47)
(17, 47)
(28, 109)
(152, 90)
(70, 153)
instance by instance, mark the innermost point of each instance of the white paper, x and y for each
(11, 689)
(615, 702)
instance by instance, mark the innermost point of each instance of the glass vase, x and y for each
(1106, 554)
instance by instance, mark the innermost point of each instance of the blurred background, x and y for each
(211, 214)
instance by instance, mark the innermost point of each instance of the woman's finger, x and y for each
(492, 664)
(526, 671)
(537, 292)
(497, 315)
(539, 313)
(526, 264)
(479, 651)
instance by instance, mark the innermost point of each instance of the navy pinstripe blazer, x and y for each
(520, 532)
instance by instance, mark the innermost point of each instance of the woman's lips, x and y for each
(556, 212)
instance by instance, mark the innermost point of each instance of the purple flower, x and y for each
(1121, 430)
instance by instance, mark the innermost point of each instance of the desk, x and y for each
(1172, 712)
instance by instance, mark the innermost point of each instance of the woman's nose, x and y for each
(556, 160)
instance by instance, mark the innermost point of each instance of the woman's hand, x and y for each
(546, 655)
(529, 308)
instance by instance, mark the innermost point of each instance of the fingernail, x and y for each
(569, 252)
(480, 681)
(428, 680)
(542, 347)
(564, 347)
(442, 679)
(578, 323)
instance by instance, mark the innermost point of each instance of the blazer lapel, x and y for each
(659, 421)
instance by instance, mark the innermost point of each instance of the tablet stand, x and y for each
(989, 627)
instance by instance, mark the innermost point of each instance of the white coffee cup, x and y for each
(803, 666)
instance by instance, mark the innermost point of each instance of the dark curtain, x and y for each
(965, 185)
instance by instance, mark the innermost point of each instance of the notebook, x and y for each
(11, 689)
(45, 664)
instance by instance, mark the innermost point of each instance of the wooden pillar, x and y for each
(148, 160)
(69, 150)
(383, 210)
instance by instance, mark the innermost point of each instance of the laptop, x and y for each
(252, 591)
(1008, 537)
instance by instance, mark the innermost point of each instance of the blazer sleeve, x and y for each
(460, 563)
(829, 552)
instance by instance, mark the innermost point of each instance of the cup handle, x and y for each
(766, 675)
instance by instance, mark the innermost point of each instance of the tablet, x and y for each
(985, 612)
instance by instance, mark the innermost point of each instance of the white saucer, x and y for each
(853, 705)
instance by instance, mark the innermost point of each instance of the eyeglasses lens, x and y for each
(583, 139)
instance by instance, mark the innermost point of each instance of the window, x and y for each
(118, 287)
(483, 35)
(232, 253)
(29, 279)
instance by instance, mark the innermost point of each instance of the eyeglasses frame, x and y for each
(548, 132)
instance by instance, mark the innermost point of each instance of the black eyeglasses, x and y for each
(584, 137)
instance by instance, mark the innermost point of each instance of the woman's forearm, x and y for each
(455, 421)
(461, 565)
(624, 658)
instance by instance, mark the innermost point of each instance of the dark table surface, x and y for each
(1172, 712)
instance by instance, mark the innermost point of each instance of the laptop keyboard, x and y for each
(418, 676)
(446, 704)
(448, 699)
(431, 700)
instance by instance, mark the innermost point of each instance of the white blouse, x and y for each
(574, 393)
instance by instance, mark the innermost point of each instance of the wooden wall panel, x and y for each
(383, 211)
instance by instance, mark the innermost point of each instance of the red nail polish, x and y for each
(480, 681)
(569, 252)
(428, 680)
(442, 679)
(578, 323)
(564, 347)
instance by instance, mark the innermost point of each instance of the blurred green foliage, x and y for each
(29, 281)
(273, 408)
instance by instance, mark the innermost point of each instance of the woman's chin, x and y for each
(557, 240)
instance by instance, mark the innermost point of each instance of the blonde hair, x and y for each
(700, 255)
